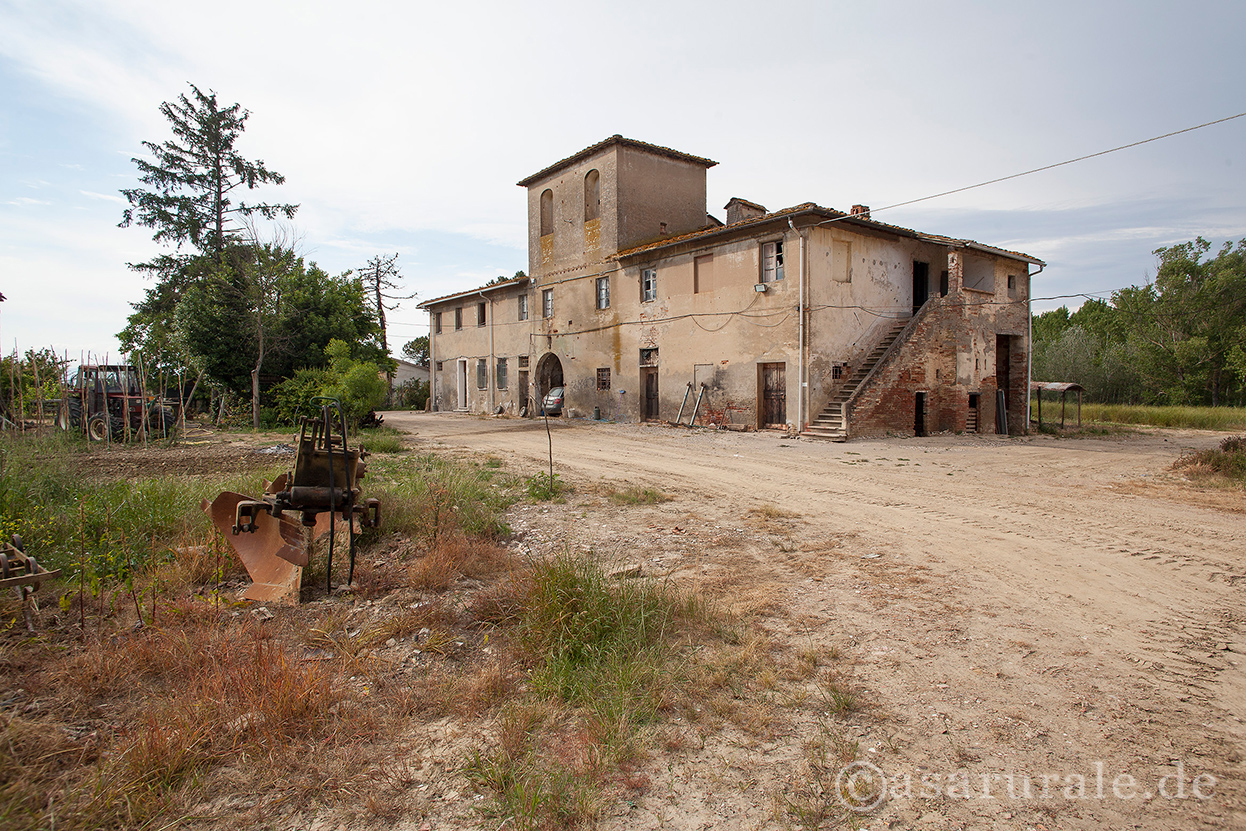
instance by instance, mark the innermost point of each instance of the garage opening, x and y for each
(548, 375)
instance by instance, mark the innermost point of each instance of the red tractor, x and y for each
(108, 402)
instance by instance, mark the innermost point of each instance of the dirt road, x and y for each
(1049, 632)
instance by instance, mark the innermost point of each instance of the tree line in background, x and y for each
(236, 305)
(1180, 340)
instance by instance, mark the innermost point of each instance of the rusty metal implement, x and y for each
(19, 569)
(324, 484)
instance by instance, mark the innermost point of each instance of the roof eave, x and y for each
(483, 290)
(612, 141)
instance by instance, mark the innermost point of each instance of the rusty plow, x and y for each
(273, 535)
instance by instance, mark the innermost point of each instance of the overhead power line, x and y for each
(1053, 166)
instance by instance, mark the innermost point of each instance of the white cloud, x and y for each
(109, 197)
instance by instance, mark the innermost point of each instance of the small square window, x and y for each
(482, 374)
(458, 318)
(439, 366)
(603, 378)
(523, 307)
(649, 357)
(1012, 282)
(547, 303)
(500, 380)
(837, 372)
(648, 285)
(603, 292)
(437, 323)
(523, 361)
(480, 314)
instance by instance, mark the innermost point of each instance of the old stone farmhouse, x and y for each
(639, 302)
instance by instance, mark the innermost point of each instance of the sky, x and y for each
(402, 127)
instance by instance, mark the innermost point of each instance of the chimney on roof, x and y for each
(739, 209)
(862, 211)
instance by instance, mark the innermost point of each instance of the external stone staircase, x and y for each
(830, 422)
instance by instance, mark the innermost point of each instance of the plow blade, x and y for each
(274, 554)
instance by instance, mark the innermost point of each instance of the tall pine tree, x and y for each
(192, 179)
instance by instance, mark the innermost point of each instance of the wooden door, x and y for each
(774, 395)
(649, 380)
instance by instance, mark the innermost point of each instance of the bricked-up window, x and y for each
(547, 212)
(703, 274)
(547, 303)
(499, 381)
(482, 374)
(437, 323)
(458, 318)
(480, 314)
(523, 307)
(603, 292)
(603, 378)
(592, 196)
(771, 261)
(648, 285)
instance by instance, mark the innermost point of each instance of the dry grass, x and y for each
(770, 512)
(1225, 462)
(173, 702)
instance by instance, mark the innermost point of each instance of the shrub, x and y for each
(544, 487)
(1227, 460)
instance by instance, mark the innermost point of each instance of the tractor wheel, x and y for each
(98, 427)
(160, 421)
(69, 415)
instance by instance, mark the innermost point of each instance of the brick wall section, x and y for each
(927, 361)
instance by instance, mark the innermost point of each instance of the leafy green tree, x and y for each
(416, 351)
(318, 308)
(1180, 339)
(266, 314)
(191, 178)
(358, 385)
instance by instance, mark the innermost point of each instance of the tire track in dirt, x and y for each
(1021, 603)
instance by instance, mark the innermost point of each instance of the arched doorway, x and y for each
(548, 376)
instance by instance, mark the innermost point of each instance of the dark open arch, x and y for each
(548, 374)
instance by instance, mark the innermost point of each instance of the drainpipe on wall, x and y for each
(1029, 352)
(492, 367)
(432, 363)
(801, 385)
